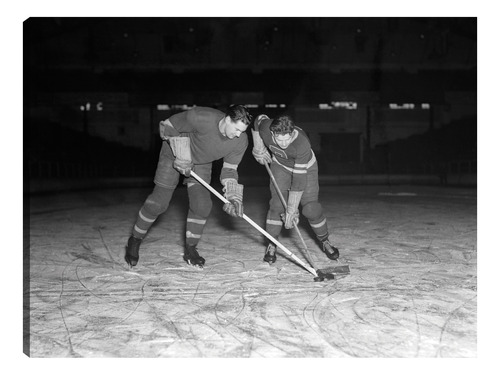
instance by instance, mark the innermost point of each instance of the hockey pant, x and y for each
(166, 180)
(310, 207)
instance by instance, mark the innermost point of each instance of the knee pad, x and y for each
(312, 210)
(157, 202)
(200, 202)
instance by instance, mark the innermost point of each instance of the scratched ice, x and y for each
(411, 292)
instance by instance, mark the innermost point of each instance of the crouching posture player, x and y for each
(192, 140)
(295, 169)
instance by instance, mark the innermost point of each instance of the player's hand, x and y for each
(233, 208)
(183, 166)
(234, 195)
(290, 219)
(262, 156)
(291, 215)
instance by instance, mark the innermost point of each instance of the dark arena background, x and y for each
(390, 107)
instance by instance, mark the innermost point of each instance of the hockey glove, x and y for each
(291, 215)
(181, 147)
(234, 194)
(259, 151)
(183, 166)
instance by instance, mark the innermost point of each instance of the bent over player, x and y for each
(192, 140)
(295, 169)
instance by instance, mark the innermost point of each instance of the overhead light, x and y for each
(402, 106)
(345, 104)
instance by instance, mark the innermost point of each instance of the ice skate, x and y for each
(331, 251)
(270, 255)
(192, 257)
(132, 251)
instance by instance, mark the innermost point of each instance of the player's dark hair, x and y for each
(237, 112)
(282, 125)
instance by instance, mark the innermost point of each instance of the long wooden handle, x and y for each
(275, 183)
(255, 225)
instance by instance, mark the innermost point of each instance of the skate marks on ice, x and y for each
(411, 292)
(415, 258)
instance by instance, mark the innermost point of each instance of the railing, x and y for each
(71, 170)
(455, 167)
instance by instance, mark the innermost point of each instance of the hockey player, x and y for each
(295, 169)
(192, 140)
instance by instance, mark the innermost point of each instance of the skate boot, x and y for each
(192, 257)
(132, 251)
(270, 255)
(331, 251)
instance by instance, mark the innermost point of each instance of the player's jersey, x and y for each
(296, 158)
(201, 125)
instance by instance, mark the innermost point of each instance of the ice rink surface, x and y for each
(412, 291)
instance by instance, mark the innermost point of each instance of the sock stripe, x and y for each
(190, 234)
(139, 230)
(320, 224)
(274, 222)
(196, 221)
(145, 218)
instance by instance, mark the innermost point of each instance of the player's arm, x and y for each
(233, 191)
(181, 148)
(183, 122)
(299, 181)
(259, 151)
(302, 159)
(167, 130)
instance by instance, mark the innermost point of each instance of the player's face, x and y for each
(234, 129)
(283, 140)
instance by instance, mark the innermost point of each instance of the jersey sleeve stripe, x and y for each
(230, 166)
(298, 170)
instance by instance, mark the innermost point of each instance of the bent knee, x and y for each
(200, 202)
(201, 207)
(312, 210)
(157, 202)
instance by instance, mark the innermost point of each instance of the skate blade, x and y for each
(130, 261)
(198, 266)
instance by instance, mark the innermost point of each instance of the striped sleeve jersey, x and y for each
(296, 158)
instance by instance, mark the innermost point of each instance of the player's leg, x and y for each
(166, 180)
(313, 211)
(274, 224)
(156, 204)
(200, 205)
